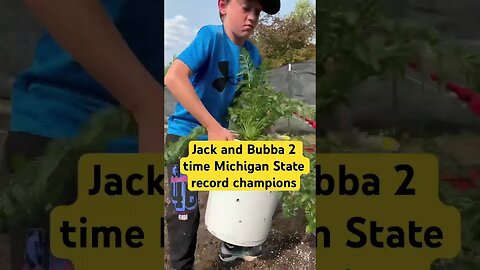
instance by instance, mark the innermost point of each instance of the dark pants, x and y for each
(182, 216)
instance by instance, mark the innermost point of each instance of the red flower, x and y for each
(459, 182)
(311, 149)
(464, 94)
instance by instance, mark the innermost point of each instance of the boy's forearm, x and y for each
(183, 91)
(83, 28)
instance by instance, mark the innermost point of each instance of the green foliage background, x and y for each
(359, 39)
(288, 39)
(362, 38)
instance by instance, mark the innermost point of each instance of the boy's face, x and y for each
(240, 17)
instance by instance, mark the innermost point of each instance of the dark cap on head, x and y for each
(271, 6)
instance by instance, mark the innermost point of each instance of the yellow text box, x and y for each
(117, 221)
(245, 165)
(382, 211)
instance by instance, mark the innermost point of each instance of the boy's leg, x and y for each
(30, 146)
(182, 217)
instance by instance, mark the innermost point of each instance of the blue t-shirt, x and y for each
(55, 97)
(215, 64)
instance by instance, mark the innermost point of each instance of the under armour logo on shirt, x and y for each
(220, 83)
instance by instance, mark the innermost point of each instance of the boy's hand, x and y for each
(220, 134)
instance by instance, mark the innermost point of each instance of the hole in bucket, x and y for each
(238, 200)
(239, 221)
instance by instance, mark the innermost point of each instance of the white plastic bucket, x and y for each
(242, 218)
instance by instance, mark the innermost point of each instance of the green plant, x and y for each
(38, 184)
(360, 39)
(305, 198)
(258, 106)
(467, 201)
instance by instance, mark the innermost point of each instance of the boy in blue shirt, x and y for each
(97, 54)
(204, 79)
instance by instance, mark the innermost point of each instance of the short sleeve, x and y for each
(197, 53)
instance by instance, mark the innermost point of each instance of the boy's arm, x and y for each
(178, 83)
(83, 28)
